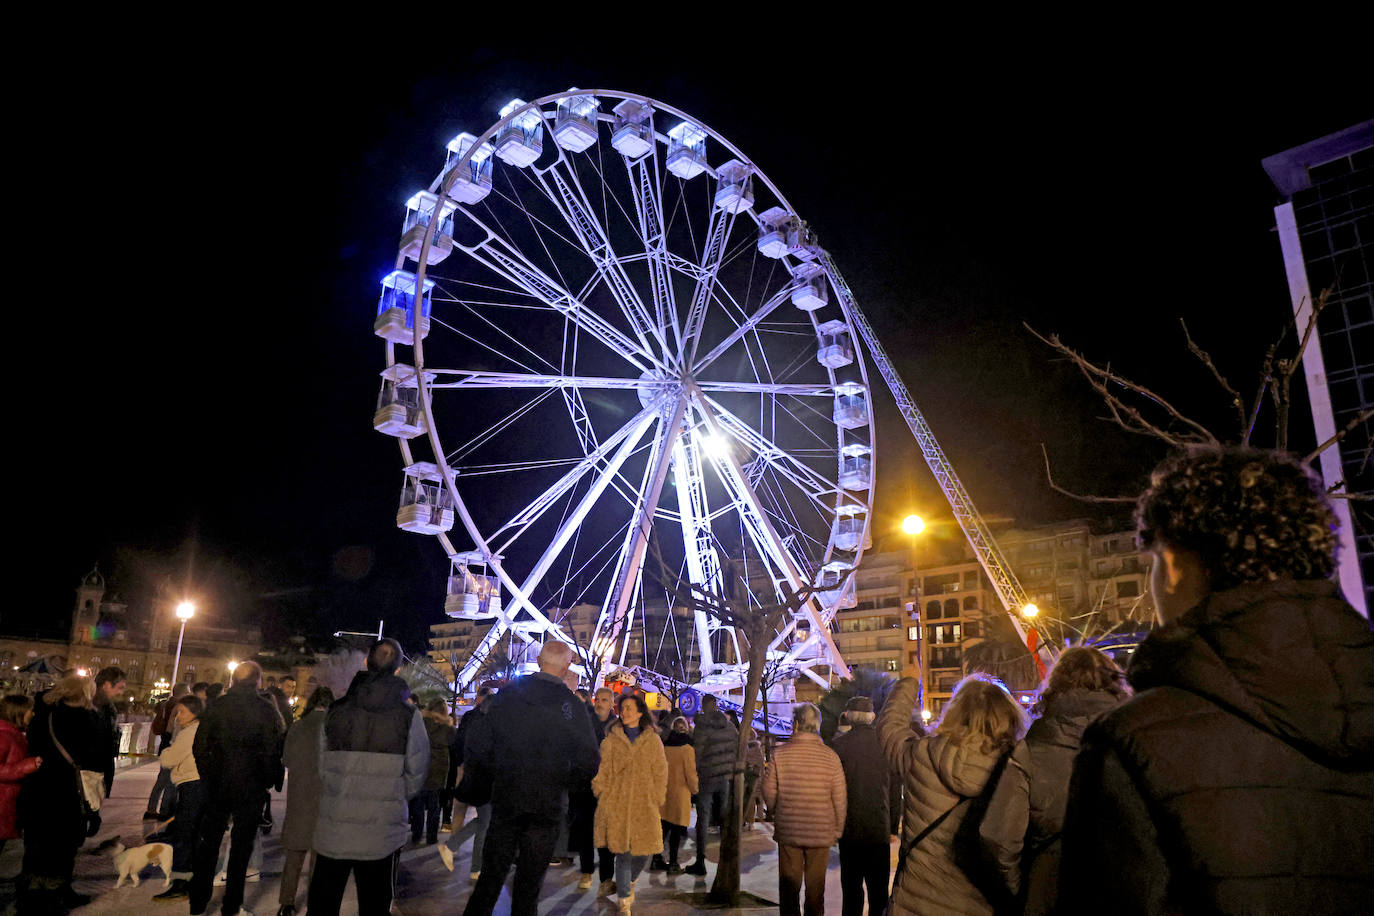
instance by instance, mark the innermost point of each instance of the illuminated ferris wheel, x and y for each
(613, 348)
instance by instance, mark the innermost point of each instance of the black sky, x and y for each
(216, 371)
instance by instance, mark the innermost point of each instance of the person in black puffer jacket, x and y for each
(1240, 779)
(536, 740)
(714, 739)
(1019, 832)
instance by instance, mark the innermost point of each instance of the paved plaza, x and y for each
(424, 886)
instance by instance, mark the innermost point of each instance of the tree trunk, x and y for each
(725, 890)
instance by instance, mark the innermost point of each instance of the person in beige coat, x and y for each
(941, 773)
(805, 788)
(631, 788)
(676, 812)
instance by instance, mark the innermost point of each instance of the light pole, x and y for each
(186, 610)
(912, 526)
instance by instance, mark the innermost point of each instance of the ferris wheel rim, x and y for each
(483, 542)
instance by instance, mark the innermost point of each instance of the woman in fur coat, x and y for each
(630, 788)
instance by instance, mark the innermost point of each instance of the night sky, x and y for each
(210, 429)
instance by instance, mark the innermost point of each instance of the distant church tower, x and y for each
(89, 595)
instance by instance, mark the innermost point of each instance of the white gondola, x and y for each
(521, 139)
(686, 150)
(811, 292)
(419, 214)
(396, 312)
(850, 526)
(473, 183)
(836, 349)
(398, 406)
(574, 123)
(856, 467)
(851, 405)
(734, 187)
(632, 130)
(774, 224)
(426, 507)
(801, 242)
(472, 593)
(835, 589)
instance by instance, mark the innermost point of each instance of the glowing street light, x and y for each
(81, 672)
(925, 715)
(913, 524)
(1030, 610)
(231, 666)
(186, 610)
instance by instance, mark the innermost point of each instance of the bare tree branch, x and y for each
(1101, 377)
(1085, 498)
(1357, 497)
(1349, 428)
(1206, 358)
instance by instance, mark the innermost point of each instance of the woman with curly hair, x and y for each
(1240, 778)
(1019, 833)
(941, 774)
(630, 788)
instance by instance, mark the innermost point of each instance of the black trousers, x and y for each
(581, 824)
(864, 864)
(374, 880)
(527, 840)
(217, 809)
(424, 816)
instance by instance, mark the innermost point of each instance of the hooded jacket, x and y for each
(936, 774)
(1020, 829)
(1241, 776)
(537, 742)
(374, 756)
(714, 738)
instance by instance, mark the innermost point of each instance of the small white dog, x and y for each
(129, 862)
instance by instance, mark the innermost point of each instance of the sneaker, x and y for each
(250, 876)
(447, 855)
(696, 868)
(474, 875)
(607, 888)
(180, 890)
(584, 883)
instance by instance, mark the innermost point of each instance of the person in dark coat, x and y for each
(714, 739)
(110, 683)
(873, 813)
(582, 805)
(536, 741)
(425, 807)
(69, 736)
(1020, 829)
(374, 757)
(1240, 778)
(301, 757)
(237, 751)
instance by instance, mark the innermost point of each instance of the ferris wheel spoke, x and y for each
(703, 563)
(826, 390)
(571, 202)
(649, 213)
(806, 478)
(752, 509)
(504, 260)
(480, 378)
(748, 325)
(486, 435)
(719, 231)
(527, 516)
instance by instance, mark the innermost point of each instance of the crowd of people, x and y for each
(1228, 769)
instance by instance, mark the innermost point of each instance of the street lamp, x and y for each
(186, 610)
(913, 524)
(1029, 611)
(231, 666)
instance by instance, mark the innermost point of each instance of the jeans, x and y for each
(184, 828)
(476, 828)
(374, 879)
(246, 812)
(162, 801)
(797, 863)
(864, 864)
(627, 869)
(714, 790)
(424, 816)
(525, 840)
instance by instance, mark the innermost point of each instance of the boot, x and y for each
(697, 868)
(180, 890)
(658, 864)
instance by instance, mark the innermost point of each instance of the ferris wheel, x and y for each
(613, 350)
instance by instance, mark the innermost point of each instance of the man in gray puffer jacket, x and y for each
(714, 740)
(374, 759)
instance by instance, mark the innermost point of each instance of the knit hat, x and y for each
(859, 704)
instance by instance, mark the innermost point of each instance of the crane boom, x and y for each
(999, 573)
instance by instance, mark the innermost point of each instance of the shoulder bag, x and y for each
(90, 785)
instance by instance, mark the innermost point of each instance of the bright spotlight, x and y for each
(715, 445)
(925, 715)
(1030, 610)
(186, 610)
(913, 524)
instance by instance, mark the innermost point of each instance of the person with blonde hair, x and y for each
(1019, 833)
(941, 773)
(67, 734)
